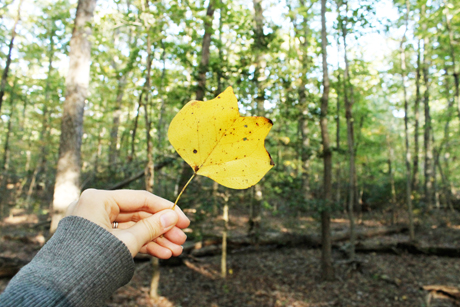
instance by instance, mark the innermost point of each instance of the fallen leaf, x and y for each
(218, 143)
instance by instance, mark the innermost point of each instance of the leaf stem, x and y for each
(183, 189)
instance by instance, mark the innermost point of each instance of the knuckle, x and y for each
(153, 228)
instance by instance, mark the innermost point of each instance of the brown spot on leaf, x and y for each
(195, 151)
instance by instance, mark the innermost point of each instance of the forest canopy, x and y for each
(393, 103)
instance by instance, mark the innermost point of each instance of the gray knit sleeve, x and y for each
(81, 265)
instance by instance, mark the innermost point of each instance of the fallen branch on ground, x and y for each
(141, 174)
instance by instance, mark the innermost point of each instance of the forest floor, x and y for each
(287, 276)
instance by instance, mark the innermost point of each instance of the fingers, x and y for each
(146, 230)
(131, 201)
(176, 236)
(175, 249)
(156, 250)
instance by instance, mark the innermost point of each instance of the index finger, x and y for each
(135, 201)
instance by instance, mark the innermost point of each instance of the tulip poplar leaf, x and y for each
(218, 143)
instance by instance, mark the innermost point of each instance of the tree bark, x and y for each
(415, 179)
(8, 58)
(6, 146)
(223, 263)
(304, 129)
(349, 102)
(392, 181)
(187, 171)
(445, 175)
(113, 149)
(406, 127)
(452, 55)
(326, 257)
(134, 131)
(205, 54)
(428, 151)
(67, 186)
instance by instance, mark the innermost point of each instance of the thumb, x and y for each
(148, 229)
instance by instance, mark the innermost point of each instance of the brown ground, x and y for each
(285, 276)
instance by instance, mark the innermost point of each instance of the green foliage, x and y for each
(291, 54)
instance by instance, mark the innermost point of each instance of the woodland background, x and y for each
(365, 100)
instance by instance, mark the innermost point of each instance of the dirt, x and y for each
(287, 276)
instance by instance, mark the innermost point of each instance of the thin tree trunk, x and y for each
(452, 55)
(149, 168)
(326, 256)
(6, 146)
(349, 102)
(136, 121)
(258, 79)
(406, 128)
(160, 92)
(415, 179)
(304, 129)
(67, 186)
(223, 263)
(8, 58)
(428, 151)
(392, 180)
(445, 177)
(113, 148)
(187, 171)
(205, 54)
(221, 51)
(435, 181)
(337, 195)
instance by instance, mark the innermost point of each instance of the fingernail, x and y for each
(168, 219)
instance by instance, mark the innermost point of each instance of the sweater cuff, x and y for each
(81, 265)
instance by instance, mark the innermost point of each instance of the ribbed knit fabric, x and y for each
(81, 265)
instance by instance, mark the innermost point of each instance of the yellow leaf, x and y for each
(218, 143)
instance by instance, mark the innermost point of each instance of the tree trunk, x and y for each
(349, 102)
(6, 146)
(8, 58)
(415, 179)
(223, 263)
(149, 168)
(113, 149)
(160, 93)
(326, 257)
(392, 181)
(452, 55)
(136, 121)
(67, 186)
(337, 195)
(304, 129)
(406, 128)
(205, 54)
(445, 176)
(258, 109)
(428, 151)
(187, 171)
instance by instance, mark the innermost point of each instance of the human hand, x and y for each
(146, 222)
